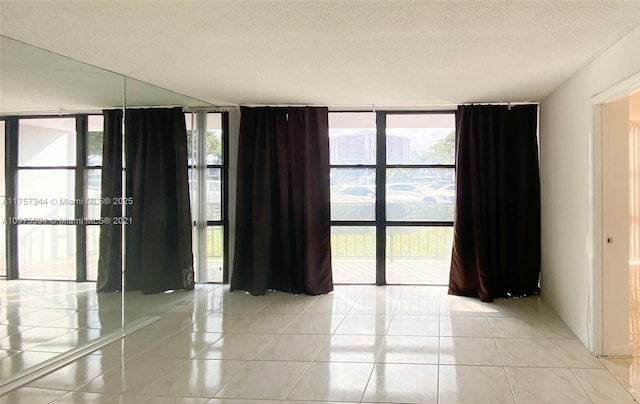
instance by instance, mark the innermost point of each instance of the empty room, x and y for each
(319, 201)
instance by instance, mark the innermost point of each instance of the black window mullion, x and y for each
(421, 166)
(26, 168)
(353, 223)
(82, 128)
(11, 184)
(352, 166)
(381, 181)
(401, 223)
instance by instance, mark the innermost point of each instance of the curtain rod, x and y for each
(354, 107)
(370, 107)
(212, 108)
(222, 108)
(502, 103)
(52, 112)
(63, 111)
(376, 107)
(186, 108)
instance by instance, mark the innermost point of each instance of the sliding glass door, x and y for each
(392, 196)
(352, 150)
(420, 197)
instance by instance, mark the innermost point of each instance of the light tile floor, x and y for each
(392, 344)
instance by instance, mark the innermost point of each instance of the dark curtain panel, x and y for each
(158, 218)
(283, 221)
(159, 250)
(109, 259)
(496, 246)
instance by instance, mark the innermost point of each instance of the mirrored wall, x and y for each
(51, 128)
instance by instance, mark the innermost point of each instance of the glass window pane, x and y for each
(418, 255)
(214, 193)
(352, 138)
(46, 194)
(47, 142)
(94, 140)
(213, 141)
(189, 118)
(193, 186)
(93, 193)
(420, 139)
(214, 254)
(353, 194)
(47, 252)
(214, 138)
(353, 254)
(93, 248)
(423, 194)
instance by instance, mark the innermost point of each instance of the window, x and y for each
(57, 162)
(352, 151)
(400, 227)
(206, 134)
(93, 190)
(46, 192)
(420, 191)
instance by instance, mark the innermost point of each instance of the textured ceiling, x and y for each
(338, 53)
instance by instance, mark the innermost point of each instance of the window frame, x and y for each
(201, 223)
(81, 170)
(380, 221)
(12, 169)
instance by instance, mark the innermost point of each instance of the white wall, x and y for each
(567, 179)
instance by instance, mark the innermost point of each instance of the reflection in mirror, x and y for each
(35, 81)
(51, 113)
(139, 94)
(198, 170)
(205, 145)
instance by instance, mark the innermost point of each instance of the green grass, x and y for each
(401, 242)
(359, 242)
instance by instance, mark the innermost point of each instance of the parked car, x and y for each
(402, 192)
(405, 192)
(448, 192)
(396, 193)
(355, 193)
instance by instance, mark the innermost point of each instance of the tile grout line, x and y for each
(504, 368)
(581, 385)
(31, 374)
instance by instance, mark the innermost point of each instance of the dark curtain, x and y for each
(109, 259)
(283, 221)
(158, 217)
(496, 245)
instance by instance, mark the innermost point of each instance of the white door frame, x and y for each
(598, 318)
